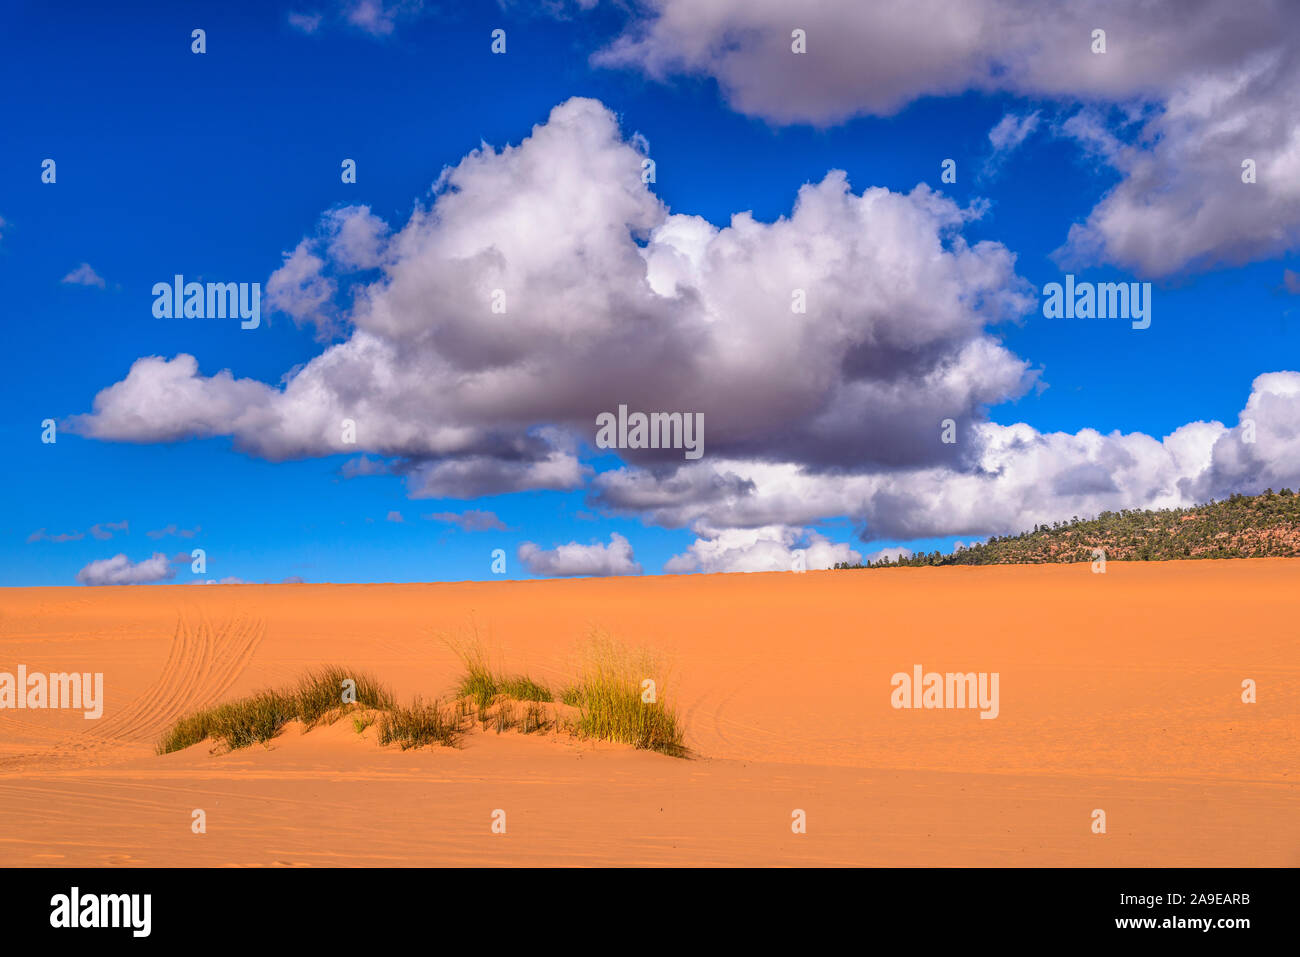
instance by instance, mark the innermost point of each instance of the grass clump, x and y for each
(261, 716)
(320, 693)
(186, 733)
(482, 685)
(524, 688)
(418, 725)
(253, 720)
(615, 704)
(480, 688)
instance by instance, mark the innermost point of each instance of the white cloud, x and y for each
(1021, 477)
(299, 290)
(573, 559)
(1181, 203)
(1201, 86)
(164, 400)
(120, 570)
(356, 237)
(1272, 460)
(83, 275)
(875, 58)
(1012, 130)
(611, 299)
(1007, 136)
(770, 548)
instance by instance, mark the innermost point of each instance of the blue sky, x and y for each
(216, 165)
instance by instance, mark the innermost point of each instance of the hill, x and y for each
(1243, 526)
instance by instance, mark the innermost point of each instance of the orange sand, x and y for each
(1118, 691)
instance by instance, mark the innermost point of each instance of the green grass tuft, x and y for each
(482, 685)
(418, 725)
(320, 693)
(261, 716)
(524, 688)
(609, 699)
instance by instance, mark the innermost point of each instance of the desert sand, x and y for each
(1119, 692)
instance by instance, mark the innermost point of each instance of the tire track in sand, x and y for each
(204, 660)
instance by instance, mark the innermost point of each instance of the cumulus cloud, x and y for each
(1201, 86)
(355, 237)
(350, 238)
(1263, 449)
(83, 275)
(1181, 203)
(120, 570)
(611, 299)
(1022, 477)
(772, 548)
(395, 517)
(300, 291)
(472, 520)
(572, 560)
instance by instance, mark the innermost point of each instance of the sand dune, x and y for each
(1119, 691)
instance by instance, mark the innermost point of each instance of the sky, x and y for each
(662, 205)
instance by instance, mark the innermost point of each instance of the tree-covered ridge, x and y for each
(1243, 526)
